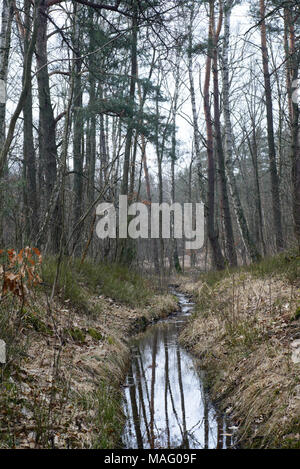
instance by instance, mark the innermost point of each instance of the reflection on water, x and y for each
(165, 403)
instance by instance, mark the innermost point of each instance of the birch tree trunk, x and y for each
(5, 36)
(175, 258)
(239, 212)
(194, 107)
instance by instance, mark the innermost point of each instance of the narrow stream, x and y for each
(165, 403)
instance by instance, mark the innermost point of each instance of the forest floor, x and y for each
(246, 331)
(61, 386)
(67, 359)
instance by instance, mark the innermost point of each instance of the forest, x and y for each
(167, 103)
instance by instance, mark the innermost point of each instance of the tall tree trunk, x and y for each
(91, 126)
(145, 167)
(295, 154)
(160, 149)
(5, 37)
(229, 238)
(258, 206)
(127, 250)
(193, 255)
(194, 108)
(293, 64)
(148, 190)
(48, 149)
(77, 123)
(4, 149)
(129, 134)
(175, 258)
(91, 148)
(270, 128)
(217, 255)
(30, 189)
(103, 147)
(239, 212)
(160, 200)
(133, 167)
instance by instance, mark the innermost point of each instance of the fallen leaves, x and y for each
(19, 271)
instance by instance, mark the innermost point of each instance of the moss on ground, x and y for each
(96, 335)
(76, 334)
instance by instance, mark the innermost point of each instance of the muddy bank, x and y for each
(246, 332)
(63, 388)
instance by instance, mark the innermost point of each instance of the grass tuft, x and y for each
(103, 407)
(77, 281)
(286, 264)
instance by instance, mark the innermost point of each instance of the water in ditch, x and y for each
(165, 403)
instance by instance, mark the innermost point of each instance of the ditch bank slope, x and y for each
(67, 359)
(246, 330)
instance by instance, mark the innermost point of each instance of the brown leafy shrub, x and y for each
(19, 271)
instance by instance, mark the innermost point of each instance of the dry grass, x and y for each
(242, 329)
(61, 388)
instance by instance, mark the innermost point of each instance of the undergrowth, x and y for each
(77, 281)
(286, 264)
(244, 323)
(103, 406)
(82, 288)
